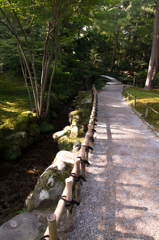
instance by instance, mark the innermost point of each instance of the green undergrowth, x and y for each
(13, 100)
(142, 97)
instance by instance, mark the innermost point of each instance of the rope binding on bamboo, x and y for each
(88, 147)
(70, 203)
(77, 179)
(93, 130)
(91, 139)
(44, 237)
(84, 162)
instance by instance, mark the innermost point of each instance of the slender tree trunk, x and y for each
(52, 75)
(24, 71)
(153, 50)
(156, 56)
(114, 51)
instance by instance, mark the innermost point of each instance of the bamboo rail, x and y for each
(78, 172)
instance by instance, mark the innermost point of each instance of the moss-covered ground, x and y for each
(142, 97)
(13, 100)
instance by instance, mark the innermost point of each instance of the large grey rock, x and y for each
(48, 189)
(76, 146)
(19, 139)
(22, 227)
(60, 165)
(65, 156)
(62, 158)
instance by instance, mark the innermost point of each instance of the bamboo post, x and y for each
(82, 155)
(90, 131)
(51, 218)
(78, 184)
(147, 110)
(134, 101)
(128, 96)
(87, 145)
(68, 182)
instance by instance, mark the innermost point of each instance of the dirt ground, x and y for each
(18, 178)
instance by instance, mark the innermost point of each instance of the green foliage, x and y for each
(23, 210)
(79, 99)
(13, 100)
(62, 77)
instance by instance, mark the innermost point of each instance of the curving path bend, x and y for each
(120, 199)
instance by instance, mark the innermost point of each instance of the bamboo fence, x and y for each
(77, 175)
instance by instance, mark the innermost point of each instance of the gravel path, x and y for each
(120, 199)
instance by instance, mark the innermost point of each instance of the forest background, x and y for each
(62, 47)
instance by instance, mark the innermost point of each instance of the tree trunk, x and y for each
(156, 56)
(114, 51)
(153, 50)
(24, 71)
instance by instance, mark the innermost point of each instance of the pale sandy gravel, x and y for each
(120, 199)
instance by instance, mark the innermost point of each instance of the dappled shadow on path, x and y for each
(113, 225)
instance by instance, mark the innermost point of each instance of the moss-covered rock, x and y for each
(59, 134)
(6, 130)
(19, 139)
(31, 140)
(22, 121)
(66, 143)
(46, 127)
(74, 132)
(83, 116)
(12, 153)
(49, 188)
(33, 130)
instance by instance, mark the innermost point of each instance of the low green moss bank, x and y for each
(142, 97)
